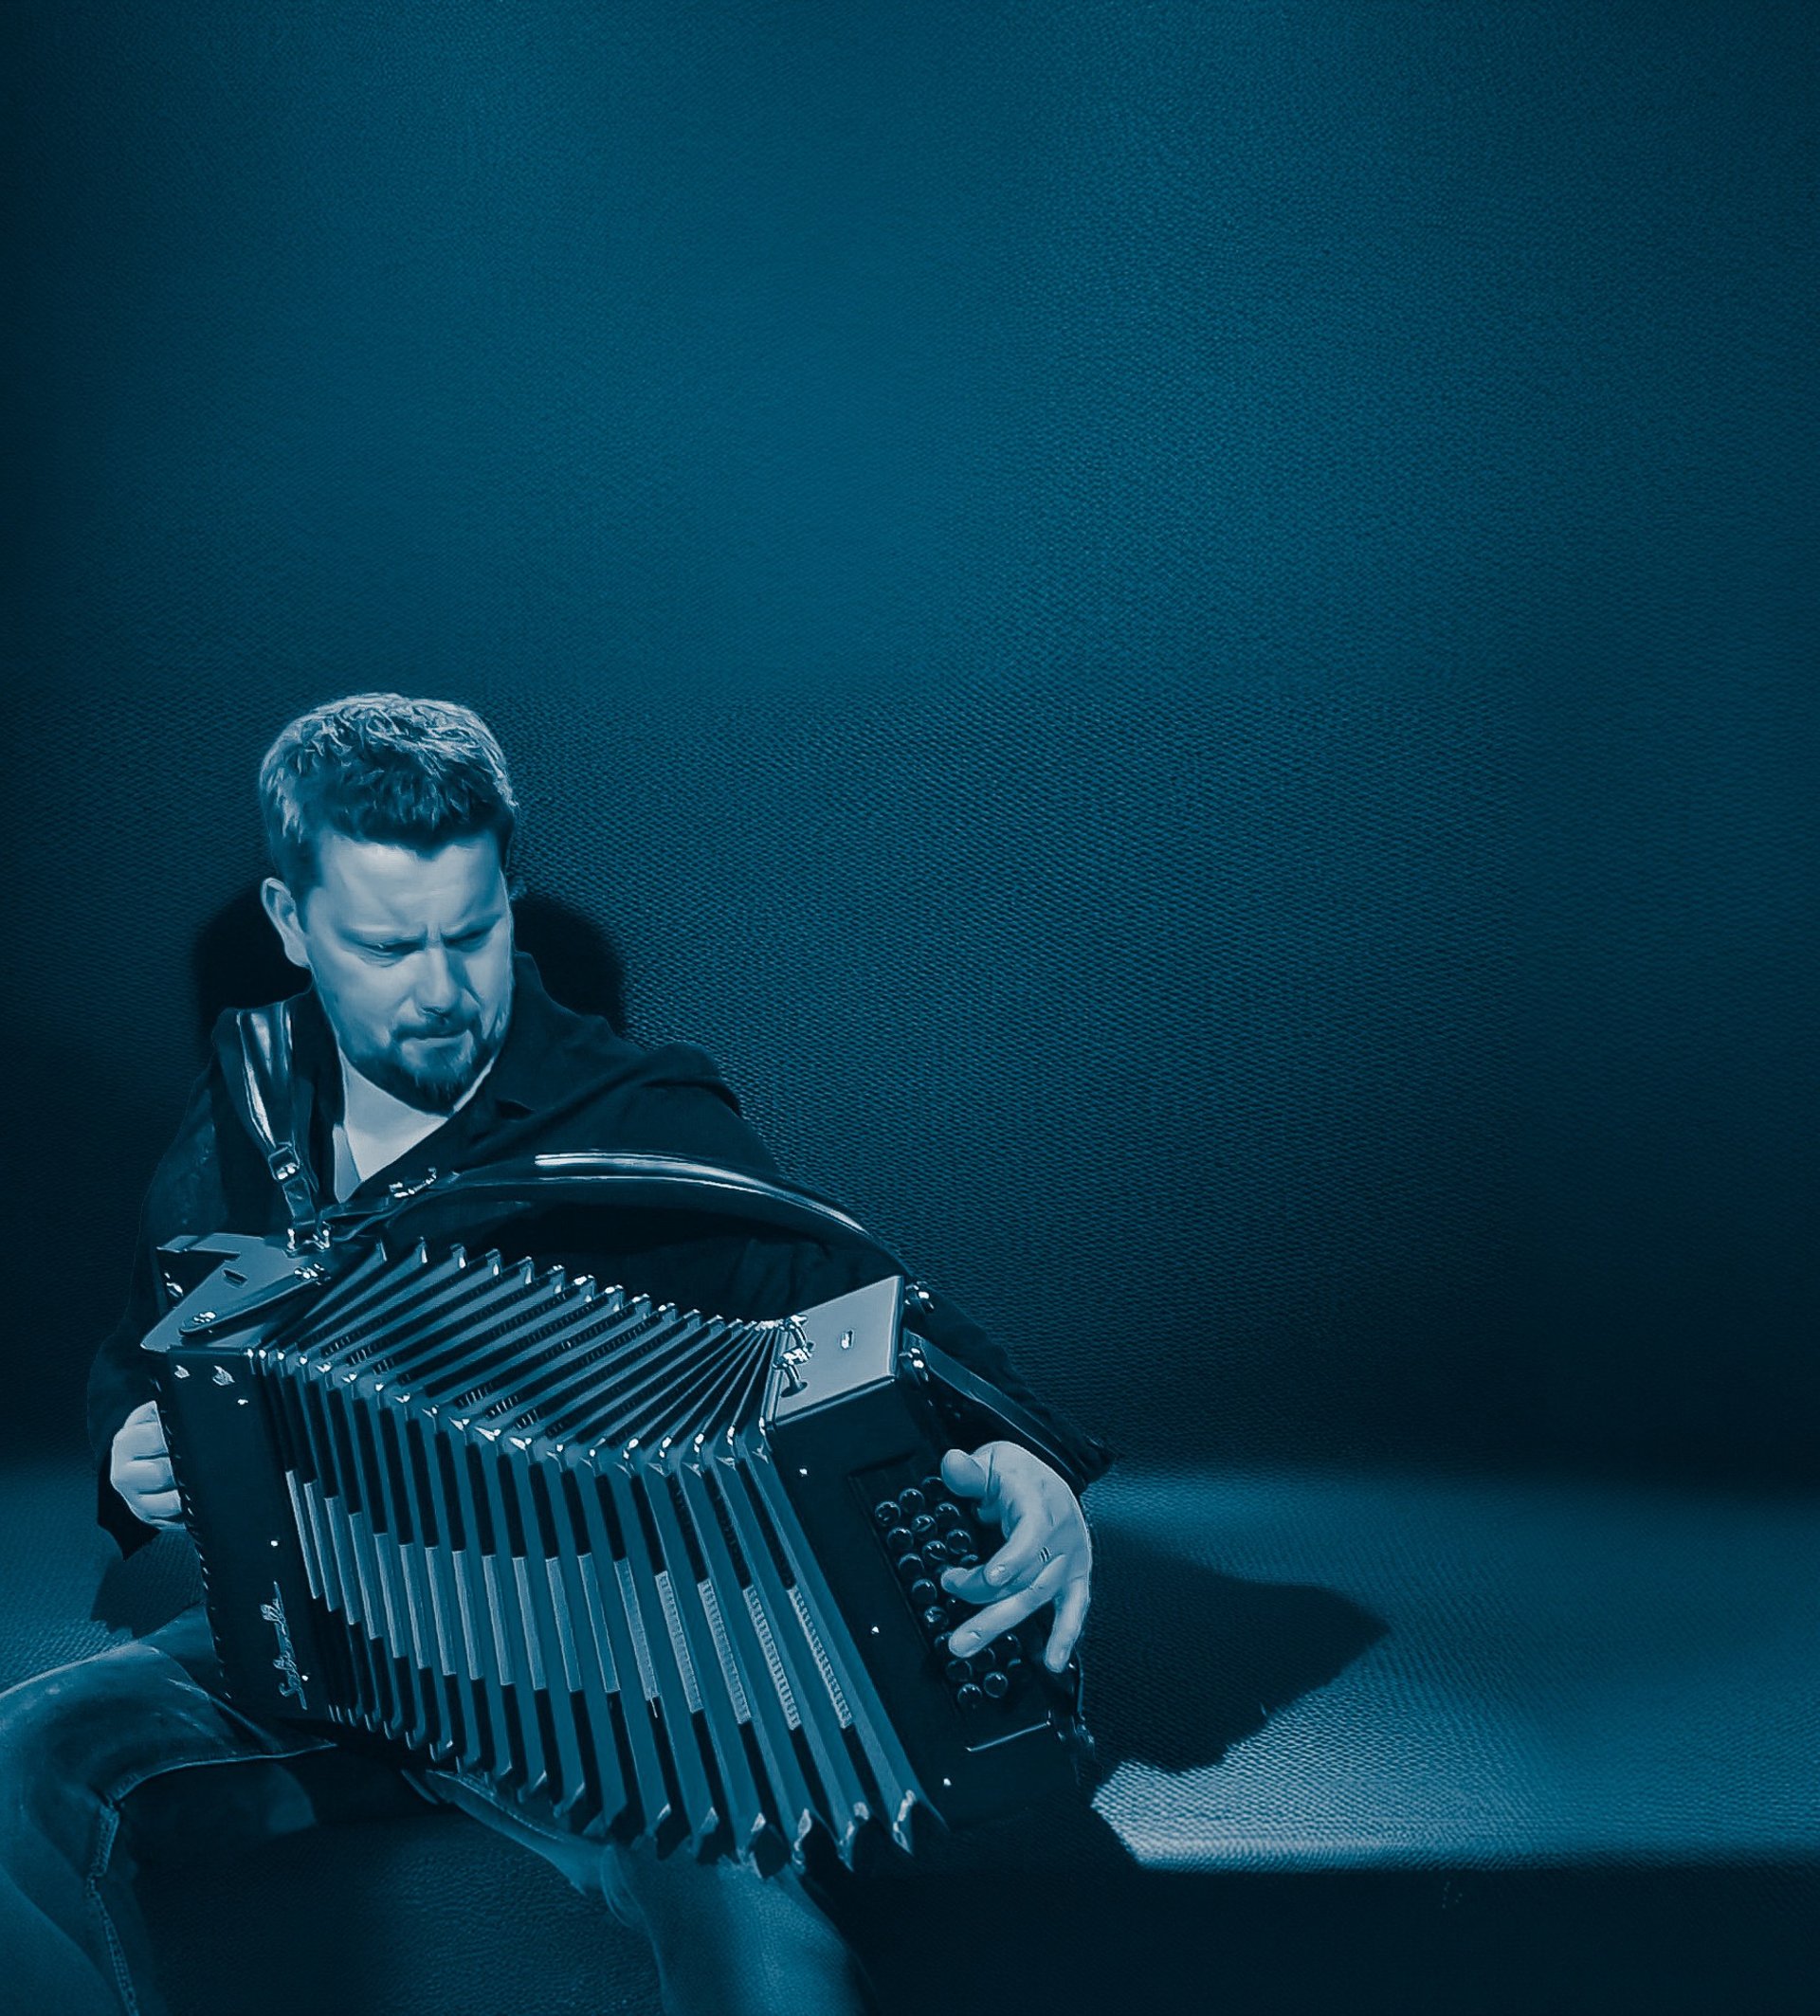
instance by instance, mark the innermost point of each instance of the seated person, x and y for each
(423, 1044)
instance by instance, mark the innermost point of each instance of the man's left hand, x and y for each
(1046, 1556)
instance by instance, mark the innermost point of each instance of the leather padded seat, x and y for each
(1329, 1681)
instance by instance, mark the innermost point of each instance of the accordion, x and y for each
(663, 1573)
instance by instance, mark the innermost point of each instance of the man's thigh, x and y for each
(138, 1737)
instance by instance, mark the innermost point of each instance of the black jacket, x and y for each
(561, 1082)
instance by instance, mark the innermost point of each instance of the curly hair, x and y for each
(380, 765)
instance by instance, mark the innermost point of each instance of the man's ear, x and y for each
(281, 906)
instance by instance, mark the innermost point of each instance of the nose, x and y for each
(438, 991)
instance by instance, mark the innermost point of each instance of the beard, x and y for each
(445, 1075)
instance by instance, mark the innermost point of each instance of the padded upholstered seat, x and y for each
(1534, 1674)
(1290, 1672)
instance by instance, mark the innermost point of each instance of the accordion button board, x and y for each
(656, 1572)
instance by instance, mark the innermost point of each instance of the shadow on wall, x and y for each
(237, 960)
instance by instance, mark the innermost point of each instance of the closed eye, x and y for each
(398, 948)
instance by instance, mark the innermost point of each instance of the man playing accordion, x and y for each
(424, 1042)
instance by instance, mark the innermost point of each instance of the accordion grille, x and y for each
(534, 1506)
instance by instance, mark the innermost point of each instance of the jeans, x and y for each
(136, 1741)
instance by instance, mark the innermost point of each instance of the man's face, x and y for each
(411, 956)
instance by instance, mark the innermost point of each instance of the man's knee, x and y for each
(44, 1725)
(85, 1732)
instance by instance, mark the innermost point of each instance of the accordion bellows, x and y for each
(660, 1572)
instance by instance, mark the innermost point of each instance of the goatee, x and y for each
(431, 1092)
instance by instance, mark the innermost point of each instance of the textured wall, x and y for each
(1183, 632)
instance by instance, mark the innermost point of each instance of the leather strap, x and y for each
(262, 1092)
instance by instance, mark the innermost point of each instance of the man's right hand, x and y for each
(139, 1468)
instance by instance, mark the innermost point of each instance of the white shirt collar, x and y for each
(376, 1127)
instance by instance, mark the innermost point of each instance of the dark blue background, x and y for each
(1182, 632)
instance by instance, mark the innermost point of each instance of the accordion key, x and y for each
(659, 1573)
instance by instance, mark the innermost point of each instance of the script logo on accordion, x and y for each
(290, 1682)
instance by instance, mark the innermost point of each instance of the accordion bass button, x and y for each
(923, 1592)
(958, 1672)
(995, 1687)
(968, 1695)
(911, 1501)
(899, 1539)
(936, 1618)
(885, 1511)
(912, 1567)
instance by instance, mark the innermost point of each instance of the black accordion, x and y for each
(661, 1572)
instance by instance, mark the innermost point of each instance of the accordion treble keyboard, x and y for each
(658, 1572)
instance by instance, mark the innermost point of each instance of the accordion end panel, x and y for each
(855, 1452)
(652, 1571)
(261, 1609)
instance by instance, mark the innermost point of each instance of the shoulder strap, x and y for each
(263, 1093)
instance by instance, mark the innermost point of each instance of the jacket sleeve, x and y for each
(184, 1196)
(685, 1109)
